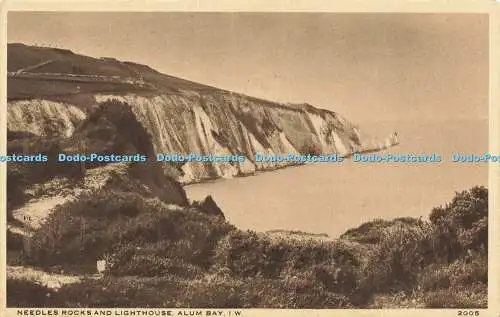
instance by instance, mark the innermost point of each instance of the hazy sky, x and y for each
(364, 66)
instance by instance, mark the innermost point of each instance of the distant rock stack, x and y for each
(392, 140)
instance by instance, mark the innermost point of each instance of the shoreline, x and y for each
(273, 169)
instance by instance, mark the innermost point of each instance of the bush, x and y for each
(111, 292)
(330, 266)
(209, 291)
(158, 259)
(299, 292)
(467, 217)
(446, 253)
(372, 232)
(399, 256)
(434, 277)
(16, 184)
(105, 222)
(24, 293)
(404, 251)
(215, 292)
(457, 298)
(246, 254)
(21, 175)
(15, 241)
(469, 271)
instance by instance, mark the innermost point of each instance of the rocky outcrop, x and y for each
(209, 206)
(43, 117)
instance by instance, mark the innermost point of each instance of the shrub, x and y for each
(113, 128)
(213, 292)
(247, 254)
(469, 271)
(330, 265)
(209, 291)
(341, 279)
(24, 293)
(301, 291)
(15, 241)
(467, 217)
(434, 277)
(111, 292)
(16, 184)
(157, 259)
(105, 222)
(457, 298)
(372, 232)
(402, 252)
(444, 256)
(21, 175)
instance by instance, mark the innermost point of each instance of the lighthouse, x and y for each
(395, 138)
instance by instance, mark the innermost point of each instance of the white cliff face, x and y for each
(285, 146)
(43, 117)
(215, 123)
(226, 124)
(339, 144)
(320, 129)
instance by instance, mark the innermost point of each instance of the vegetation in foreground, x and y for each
(163, 255)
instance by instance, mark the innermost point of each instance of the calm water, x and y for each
(330, 198)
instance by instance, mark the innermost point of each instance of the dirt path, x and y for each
(34, 212)
(32, 67)
(55, 192)
(32, 215)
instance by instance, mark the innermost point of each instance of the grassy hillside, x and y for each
(43, 60)
(167, 256)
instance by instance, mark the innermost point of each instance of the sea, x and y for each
(329, 198)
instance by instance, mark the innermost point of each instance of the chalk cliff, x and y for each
(52, 92)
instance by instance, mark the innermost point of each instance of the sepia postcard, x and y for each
(250, 158)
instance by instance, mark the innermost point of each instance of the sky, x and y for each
(369, 67)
